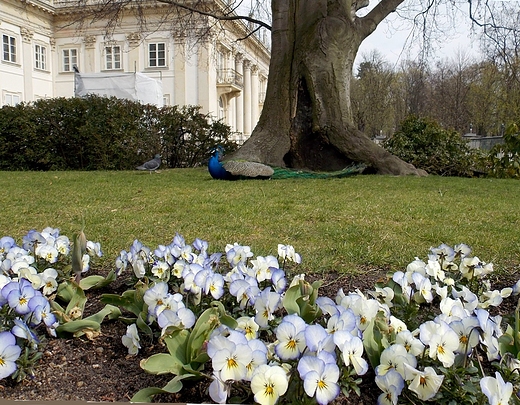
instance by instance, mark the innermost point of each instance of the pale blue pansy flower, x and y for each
(22, 330)
(392, 384)
(9, 353)
(320, 378)
(425, 383)
(442, 341)
(395, 357)
(318, 339)
(496, 390)
(131, 339)
(268, 384)
(94, 248)
(352, 352)
(231, 359)
(287, 253)
(18, 295)
(265, 306)
(291, 337)
(468, 332)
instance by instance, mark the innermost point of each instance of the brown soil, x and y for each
(100, 370)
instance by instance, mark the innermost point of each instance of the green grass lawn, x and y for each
(339, 224)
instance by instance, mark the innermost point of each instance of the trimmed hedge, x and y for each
(99, 133)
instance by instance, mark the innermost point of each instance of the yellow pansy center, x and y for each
(231, 362)
(321, 384)
(269, 390)
(291, 344)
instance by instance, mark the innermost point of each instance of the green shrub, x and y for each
(99, 133)
(504, 159)
(425, 144)
(187, 136)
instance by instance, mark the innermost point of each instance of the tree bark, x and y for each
(307, 122)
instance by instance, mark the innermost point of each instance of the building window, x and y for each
(166, 99)
(11, 99)
(112, 57)
(157, 54)
(9, 48)
(221, 109)
(70, 59)
(40, 57)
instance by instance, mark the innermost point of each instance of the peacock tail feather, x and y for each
(286, 173)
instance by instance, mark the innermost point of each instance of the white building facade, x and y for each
(220, 71)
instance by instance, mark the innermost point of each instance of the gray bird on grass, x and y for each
(151, 165)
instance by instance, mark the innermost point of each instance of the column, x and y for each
(27, 60)
(255, 95)
(134, 39)
(179, 71)
(247, 98)
(89, 64)
(239, 100)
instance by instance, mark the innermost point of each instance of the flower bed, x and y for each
(238, 322)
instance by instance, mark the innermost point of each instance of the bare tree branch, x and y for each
(369, 23)
(221, 17)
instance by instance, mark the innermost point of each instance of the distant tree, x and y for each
(414, 79)
(372, 96)
(450, 84)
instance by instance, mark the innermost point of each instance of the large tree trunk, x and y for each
(306, 121)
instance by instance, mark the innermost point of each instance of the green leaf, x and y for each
(224, 317)
(307, 311)
(109, 311)
(174, 385)
(71, 292)
(146, 394)
(78, 325)
(289, 301)
(141, 324)
(78, 250)
(96, 281)
(177, 343)
(372, 343)
(202, 329)
(162, 363)
(314, 295)
(127, 301)
(202, 358)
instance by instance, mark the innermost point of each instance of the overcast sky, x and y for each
(396, 46)
(393, 40)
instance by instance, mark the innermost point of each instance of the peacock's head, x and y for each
(217, 151)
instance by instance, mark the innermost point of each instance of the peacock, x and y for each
(151, 165)
(234, 169)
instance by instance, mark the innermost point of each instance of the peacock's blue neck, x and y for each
(215, 168)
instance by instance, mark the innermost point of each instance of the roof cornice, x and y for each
(43, 5)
